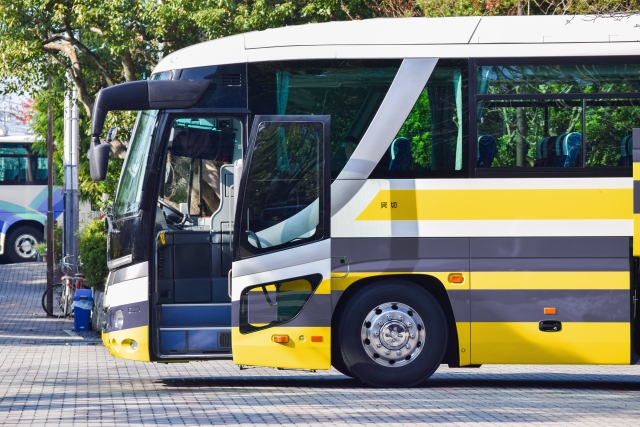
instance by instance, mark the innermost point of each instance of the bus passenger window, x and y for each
(585, 125)
(350, 91)
(432, 142)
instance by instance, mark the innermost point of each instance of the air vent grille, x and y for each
(232, 79)
(224, 340)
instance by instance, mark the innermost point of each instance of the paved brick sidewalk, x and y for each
(45, 383)
(22, 319)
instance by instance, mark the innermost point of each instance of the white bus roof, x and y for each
(459, 37)
(17, 139)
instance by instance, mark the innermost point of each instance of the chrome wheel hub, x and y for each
(24, 246)
(393, 334)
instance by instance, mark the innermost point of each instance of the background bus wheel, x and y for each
(392, 334)
(20, 242)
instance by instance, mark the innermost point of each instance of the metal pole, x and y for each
(71, 134)
(49, 198)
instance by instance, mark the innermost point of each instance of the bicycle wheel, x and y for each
(55, 295)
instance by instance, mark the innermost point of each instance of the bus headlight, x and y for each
(118, 319)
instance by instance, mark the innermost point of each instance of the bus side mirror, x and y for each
(98, 159)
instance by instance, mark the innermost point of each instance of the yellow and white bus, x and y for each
(381, 196)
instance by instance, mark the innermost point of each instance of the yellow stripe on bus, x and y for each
(577, 343)
(607, 280)
(415, 205)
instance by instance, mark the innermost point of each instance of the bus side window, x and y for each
(432, 142)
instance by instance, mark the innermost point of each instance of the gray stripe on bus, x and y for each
(570, 305)
(405, 265)
(135, 315)
(460, 305)
(636, 197)
(549, 247)
(549, 264)
(385, 248)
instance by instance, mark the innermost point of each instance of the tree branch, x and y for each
(84, 49)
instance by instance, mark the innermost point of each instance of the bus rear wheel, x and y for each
(20, 242)
(392, 334)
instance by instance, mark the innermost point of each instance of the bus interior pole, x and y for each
(49, 200)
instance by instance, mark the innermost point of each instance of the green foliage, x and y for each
(417, 129)
(92, 247)
(40, 248)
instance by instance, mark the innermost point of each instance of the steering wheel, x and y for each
(185, 217)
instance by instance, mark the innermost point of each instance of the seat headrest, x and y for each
(400, 154)
(486, 151)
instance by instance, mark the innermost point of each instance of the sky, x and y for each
(10, 105)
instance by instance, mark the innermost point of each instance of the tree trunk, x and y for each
(521, 137)
(128, 66)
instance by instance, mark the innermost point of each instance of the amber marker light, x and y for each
(281, 338)
(549, 310)
(316, 338)
(456, 278)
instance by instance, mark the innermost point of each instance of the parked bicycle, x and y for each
(61, 294)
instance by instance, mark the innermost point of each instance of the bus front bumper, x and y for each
(130, 344)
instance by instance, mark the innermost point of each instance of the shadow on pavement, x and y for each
(508, 381)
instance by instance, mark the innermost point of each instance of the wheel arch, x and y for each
(432, 285)
(26, 223)
(20, 223)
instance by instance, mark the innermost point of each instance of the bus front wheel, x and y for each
(20, 242)
(392, 334)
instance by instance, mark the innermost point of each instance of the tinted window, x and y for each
(432, 141)
(283, 196)
(18, 165)
(350, 91)
(228, 87)
(198, 147)
(556, 116)
(580, 78)
(129, 194)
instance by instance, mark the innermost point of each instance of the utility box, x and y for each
(82, 305)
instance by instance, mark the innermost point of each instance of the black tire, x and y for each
(19, 243)
(336, 354)
(422, 359)
(55, 293)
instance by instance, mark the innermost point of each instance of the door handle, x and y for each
(550, 325)
(344, 261)
(229, 283)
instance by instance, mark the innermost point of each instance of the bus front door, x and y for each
(281, 290)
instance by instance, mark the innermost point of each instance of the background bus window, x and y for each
(350, 91)
(432, 141)
(18, 165)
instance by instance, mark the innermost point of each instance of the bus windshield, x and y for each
(129, 193)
